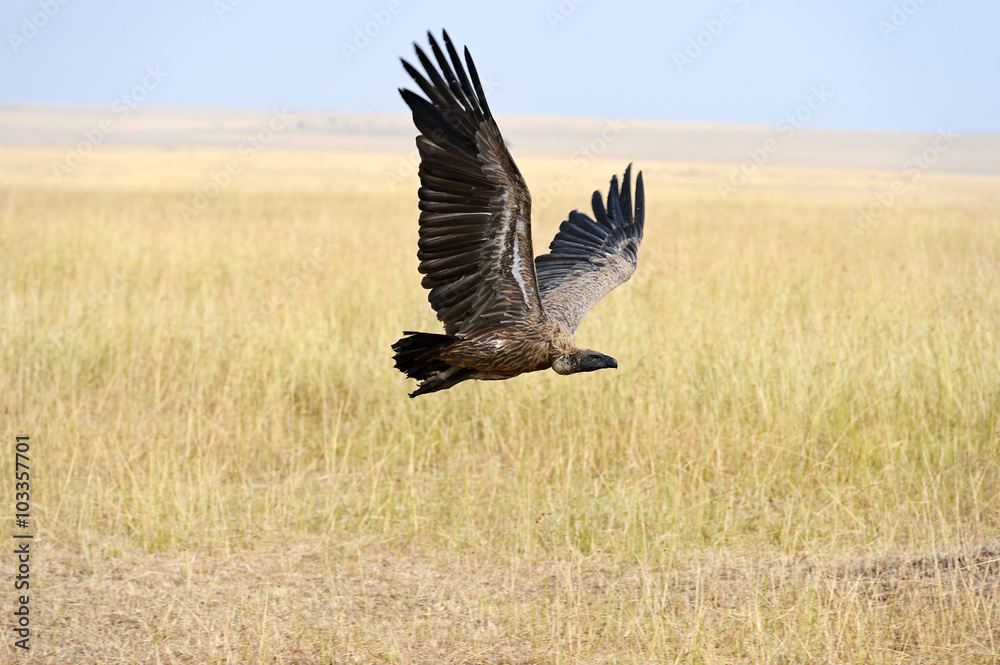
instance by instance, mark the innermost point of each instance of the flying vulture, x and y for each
(505, 312)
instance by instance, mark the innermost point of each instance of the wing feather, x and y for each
(475, 234)
(588, 258)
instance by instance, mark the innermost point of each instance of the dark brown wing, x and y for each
(475, 232)
(588, 258)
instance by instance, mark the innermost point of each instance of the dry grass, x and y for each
(797, 462)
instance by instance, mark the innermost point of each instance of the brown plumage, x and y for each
(504, 311)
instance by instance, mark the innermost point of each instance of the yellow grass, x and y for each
(797, 461)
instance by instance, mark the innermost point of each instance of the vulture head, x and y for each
(583, 360)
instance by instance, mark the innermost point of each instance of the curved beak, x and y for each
(610, 362)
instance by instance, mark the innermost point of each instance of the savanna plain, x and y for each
(796, 462)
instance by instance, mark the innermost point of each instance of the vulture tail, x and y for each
(417, 357)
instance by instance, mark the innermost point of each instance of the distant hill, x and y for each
(560, 138)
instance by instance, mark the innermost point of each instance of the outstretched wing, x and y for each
(475, 233)
(588, 258)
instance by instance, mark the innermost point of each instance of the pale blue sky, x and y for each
(940, 68)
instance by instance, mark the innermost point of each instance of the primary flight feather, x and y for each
(504, 311)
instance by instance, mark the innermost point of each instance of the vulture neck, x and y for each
(562, 350)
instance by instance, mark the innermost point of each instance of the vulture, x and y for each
(505, 312)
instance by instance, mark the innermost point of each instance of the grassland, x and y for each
(797, 461)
